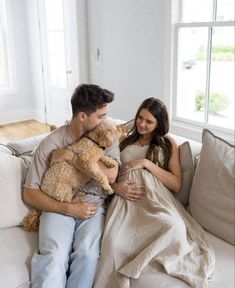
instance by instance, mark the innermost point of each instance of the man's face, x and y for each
(92, 120)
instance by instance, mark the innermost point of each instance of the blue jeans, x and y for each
(68, 251)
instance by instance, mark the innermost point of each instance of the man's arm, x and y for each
(39, 200)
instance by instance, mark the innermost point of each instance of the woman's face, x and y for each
(145, 122)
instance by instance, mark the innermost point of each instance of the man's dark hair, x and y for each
(89, 97)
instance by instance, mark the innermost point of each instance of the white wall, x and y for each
(130, 36)
(19, 100)
(26, 101)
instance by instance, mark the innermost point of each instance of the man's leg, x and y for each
(50, 262)
(86, 250)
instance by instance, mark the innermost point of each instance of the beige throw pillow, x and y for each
(186, 161)
(212, 194)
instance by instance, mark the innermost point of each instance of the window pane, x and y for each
(192, 56)
(221, 108)
(225, 10)
(197, 10)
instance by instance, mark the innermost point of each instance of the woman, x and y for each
(156, 229)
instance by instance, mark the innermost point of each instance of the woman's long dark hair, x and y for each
(159, 140)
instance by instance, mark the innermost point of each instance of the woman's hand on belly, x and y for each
(129, 190)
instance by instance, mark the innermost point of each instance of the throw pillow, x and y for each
(27, 145)
(13, 171)
(212, 193)
(4, 148)
(186, 160)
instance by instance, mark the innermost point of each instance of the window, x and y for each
(204, 64)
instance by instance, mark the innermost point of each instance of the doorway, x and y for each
(63, 53)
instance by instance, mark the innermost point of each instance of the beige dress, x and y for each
(155, 229)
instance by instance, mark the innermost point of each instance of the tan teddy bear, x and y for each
(62, 180)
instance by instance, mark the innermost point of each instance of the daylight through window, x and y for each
(204, 88)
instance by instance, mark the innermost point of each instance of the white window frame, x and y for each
(182, 126)
(10, 55)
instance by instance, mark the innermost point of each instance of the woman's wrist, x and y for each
(146, 164)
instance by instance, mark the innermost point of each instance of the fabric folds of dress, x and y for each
(154, 229)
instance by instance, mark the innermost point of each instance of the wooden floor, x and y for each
(21, 130)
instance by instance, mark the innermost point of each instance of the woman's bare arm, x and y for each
(172, 179)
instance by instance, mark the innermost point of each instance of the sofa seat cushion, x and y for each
(223, 275)
(16, 250)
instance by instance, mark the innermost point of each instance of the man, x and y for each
(69, 233)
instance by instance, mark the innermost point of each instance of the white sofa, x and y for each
(18, 246)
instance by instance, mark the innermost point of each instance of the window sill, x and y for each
(194, 132)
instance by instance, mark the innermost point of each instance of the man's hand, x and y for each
(62, 154)
(129, 190)
(41, 201)
(82, 210)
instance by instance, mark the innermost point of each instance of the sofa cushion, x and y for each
(4, 148)
(27, 145)
(223, 275)
(187, 164)
(13, 171)
(212, 192)
(16, 250)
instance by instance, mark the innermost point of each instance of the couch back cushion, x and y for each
(26, 146)
(13, 172)
(187, 164)
(212, 193)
